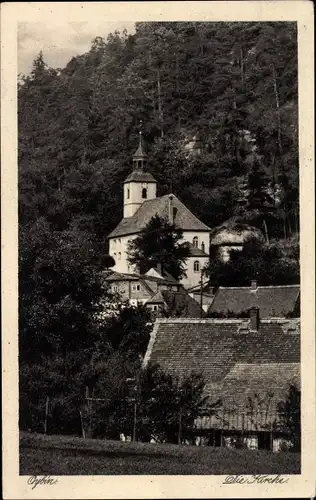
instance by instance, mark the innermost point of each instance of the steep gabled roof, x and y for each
(273, 301)
(178, 304)
(183, 218)
(235, 365)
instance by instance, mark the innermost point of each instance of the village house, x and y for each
(140, 205)
(247, 364)
(273, 301)
(158, 290)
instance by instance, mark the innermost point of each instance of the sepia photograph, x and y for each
(159, 249)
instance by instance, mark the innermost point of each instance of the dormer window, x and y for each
(144, 193)
(195, 242)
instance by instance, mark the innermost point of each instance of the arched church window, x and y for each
(196, 266)
(203, 246)
(127, 193)
(144, 193)
(195, 242)
(119, 256)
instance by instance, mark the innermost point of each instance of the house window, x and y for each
(203, 246)
(119, 256)
(155, 307)
(144, 193)
(196, 266)
(136, 288)
(195, 242)
(127, 193)
(114, 288)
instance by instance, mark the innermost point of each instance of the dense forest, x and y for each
(227, 89)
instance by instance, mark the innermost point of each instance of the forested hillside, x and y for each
(229, 87)
(218, 102)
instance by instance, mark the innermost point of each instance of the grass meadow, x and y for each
(61, 455)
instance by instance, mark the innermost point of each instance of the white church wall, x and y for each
(193, 277)
(119, 251)
(133, 196)
(203, 236)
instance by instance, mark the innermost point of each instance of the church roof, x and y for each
(235, 363)
(183, 217)
(196, 252)
(140, 176)
(140, 152)
(273, 301)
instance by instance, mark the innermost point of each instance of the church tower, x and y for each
(139, 186)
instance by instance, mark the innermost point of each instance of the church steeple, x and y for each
(140, 185)
(139, 157)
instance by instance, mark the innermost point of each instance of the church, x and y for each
(140, 205)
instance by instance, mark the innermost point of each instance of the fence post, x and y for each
(135, 419)
(222, 425)
(180, 426)
(46, 414)
(82, 427)
(271, 436)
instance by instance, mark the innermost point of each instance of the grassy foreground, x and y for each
(60, 455)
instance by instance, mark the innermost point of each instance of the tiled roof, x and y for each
(156, 299)
(178, 304)
(235, 365)
(181, 304)
(196, 252)
(183, 218)
(121, 277)
(273, 301)
(166, 280)
(140, 176)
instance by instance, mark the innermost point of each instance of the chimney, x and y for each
(254, 319)
(170, 206)
(159, 268)
(253, 285)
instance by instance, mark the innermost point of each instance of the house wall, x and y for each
(134, 291)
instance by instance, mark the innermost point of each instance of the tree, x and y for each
(159, 243)
(168, 407)
(269, 264)
(290, 416)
